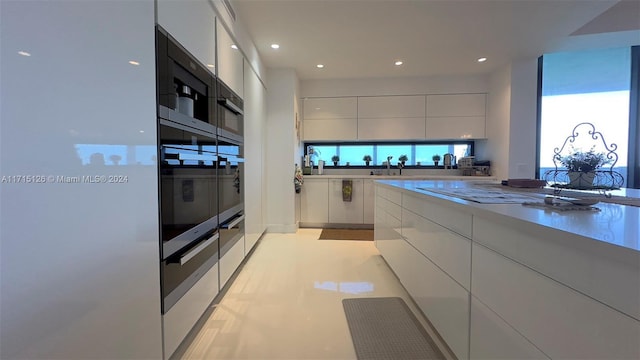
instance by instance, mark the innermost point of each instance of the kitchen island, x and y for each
(511, 281)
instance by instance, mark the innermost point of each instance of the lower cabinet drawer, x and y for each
(560, 321)
(181, 318)
(492, 338)
(439, 297)
(230, 261)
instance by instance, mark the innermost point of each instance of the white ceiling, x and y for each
(363, 38)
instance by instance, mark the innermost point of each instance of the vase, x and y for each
(366, 162)
(435, 162)
(335, 163)
(581, 180)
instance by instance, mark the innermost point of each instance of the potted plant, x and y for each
(335, 159)
(403, 159)
(582, 165)
(436, 159)
(367, 159)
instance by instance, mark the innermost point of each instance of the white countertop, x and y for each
(613, 224)
(399, 177)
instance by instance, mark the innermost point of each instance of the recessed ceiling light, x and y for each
(24, 53)
(398, 63)
(275, 46)
(482, 59)
(319, 66)
(133, 62)
(234, 46)
(211, 66)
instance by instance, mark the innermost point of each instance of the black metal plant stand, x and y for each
(603, 180)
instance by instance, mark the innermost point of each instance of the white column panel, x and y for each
(255, 117)
(230, 60)
(79, 258)
(193, 24)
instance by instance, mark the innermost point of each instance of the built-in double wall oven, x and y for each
(188, 162)
(201, 168)
(230, 167)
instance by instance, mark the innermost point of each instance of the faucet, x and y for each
(389, 164)
(400, 166)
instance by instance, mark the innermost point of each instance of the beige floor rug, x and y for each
(385, 329)
(346, 234)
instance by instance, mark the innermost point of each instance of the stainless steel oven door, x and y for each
(188, 185)
(230, 178)
(230, 112)
(183, 269)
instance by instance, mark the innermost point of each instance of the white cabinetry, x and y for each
(314, 201)
(455, 116)
(391, 117)
(369, 191)
(192, 24)
(181, 318)
(492, 338)
(562, 322)
(331, 118)
(345, 212)
(230, 61)
(516, 289)
(230, 261)
(255, 105)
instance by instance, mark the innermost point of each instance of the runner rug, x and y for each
(346, 234)
(385, 328)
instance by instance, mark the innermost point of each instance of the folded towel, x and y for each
(347, 190)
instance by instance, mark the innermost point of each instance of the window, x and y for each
(588, 86)
(418, 154)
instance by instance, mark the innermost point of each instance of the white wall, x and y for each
(522, 149)
(498, 124)
(281, 149)
(511, 123)
(79, 261)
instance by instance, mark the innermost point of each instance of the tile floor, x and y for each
(286, 302)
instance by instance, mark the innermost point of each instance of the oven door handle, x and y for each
(233, 223)
(196, 250)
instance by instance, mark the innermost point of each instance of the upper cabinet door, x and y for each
(456, 105)
(331, 108)
(391, 107)
(230, 61)
(456, 116)
(193, 24)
